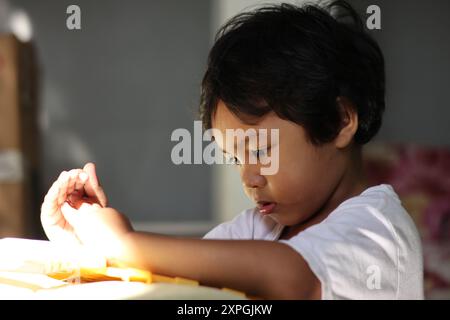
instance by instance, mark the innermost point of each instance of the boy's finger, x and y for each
(80, 181)
(92, 182)
(75, 199)
(68, 184)
(63, 181)
(52, 194)
(92, 186)
(70, 214)
(101, 196)
(50, 204)
(51, 198)
(58, 186)
(89, 168)
(73, 180)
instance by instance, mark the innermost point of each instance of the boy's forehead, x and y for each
(226, 122)
(224, 119)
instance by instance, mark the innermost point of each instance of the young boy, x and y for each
(317, 230)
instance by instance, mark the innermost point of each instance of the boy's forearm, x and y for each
(259, 268)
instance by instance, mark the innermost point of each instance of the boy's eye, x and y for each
(259, 153)
(235, 161)
(232, 160)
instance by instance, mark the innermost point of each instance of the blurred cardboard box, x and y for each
(19, 143)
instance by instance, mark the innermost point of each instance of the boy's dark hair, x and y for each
(296, 61)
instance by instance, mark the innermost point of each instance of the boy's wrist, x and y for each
(122, 254)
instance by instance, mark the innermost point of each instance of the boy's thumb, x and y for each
(89, 168)
(70, 214)
(93, 188)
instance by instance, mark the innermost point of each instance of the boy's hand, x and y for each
(53, 221)
(72, 213)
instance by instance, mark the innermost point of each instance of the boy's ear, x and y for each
(349, 122)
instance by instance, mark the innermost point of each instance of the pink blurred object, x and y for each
(422, 169)
(421, 177)
(437, 219)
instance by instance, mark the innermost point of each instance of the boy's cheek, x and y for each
(270, 164)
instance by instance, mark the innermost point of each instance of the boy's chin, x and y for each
(278, 218)
(284, 219)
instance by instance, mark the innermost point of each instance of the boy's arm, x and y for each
(265, 269)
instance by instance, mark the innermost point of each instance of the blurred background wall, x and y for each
(114, 91)
(414, 39)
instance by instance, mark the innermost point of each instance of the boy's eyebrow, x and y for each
(251, 135)
(268, 145)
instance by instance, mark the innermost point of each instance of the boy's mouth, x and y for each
(266, 207)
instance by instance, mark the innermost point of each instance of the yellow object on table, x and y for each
(34, 269)
(117, 274)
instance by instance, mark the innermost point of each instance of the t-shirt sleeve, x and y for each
(240, 228)
(353, 254)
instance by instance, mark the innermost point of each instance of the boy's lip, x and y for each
(265, 207)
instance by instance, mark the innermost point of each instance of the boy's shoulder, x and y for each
(379, 196)
(367, 233)
(379, 205)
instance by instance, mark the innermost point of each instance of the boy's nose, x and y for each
(251, 177)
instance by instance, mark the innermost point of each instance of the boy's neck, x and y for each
(352, 184)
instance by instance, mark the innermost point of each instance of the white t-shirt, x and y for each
(367, 248)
